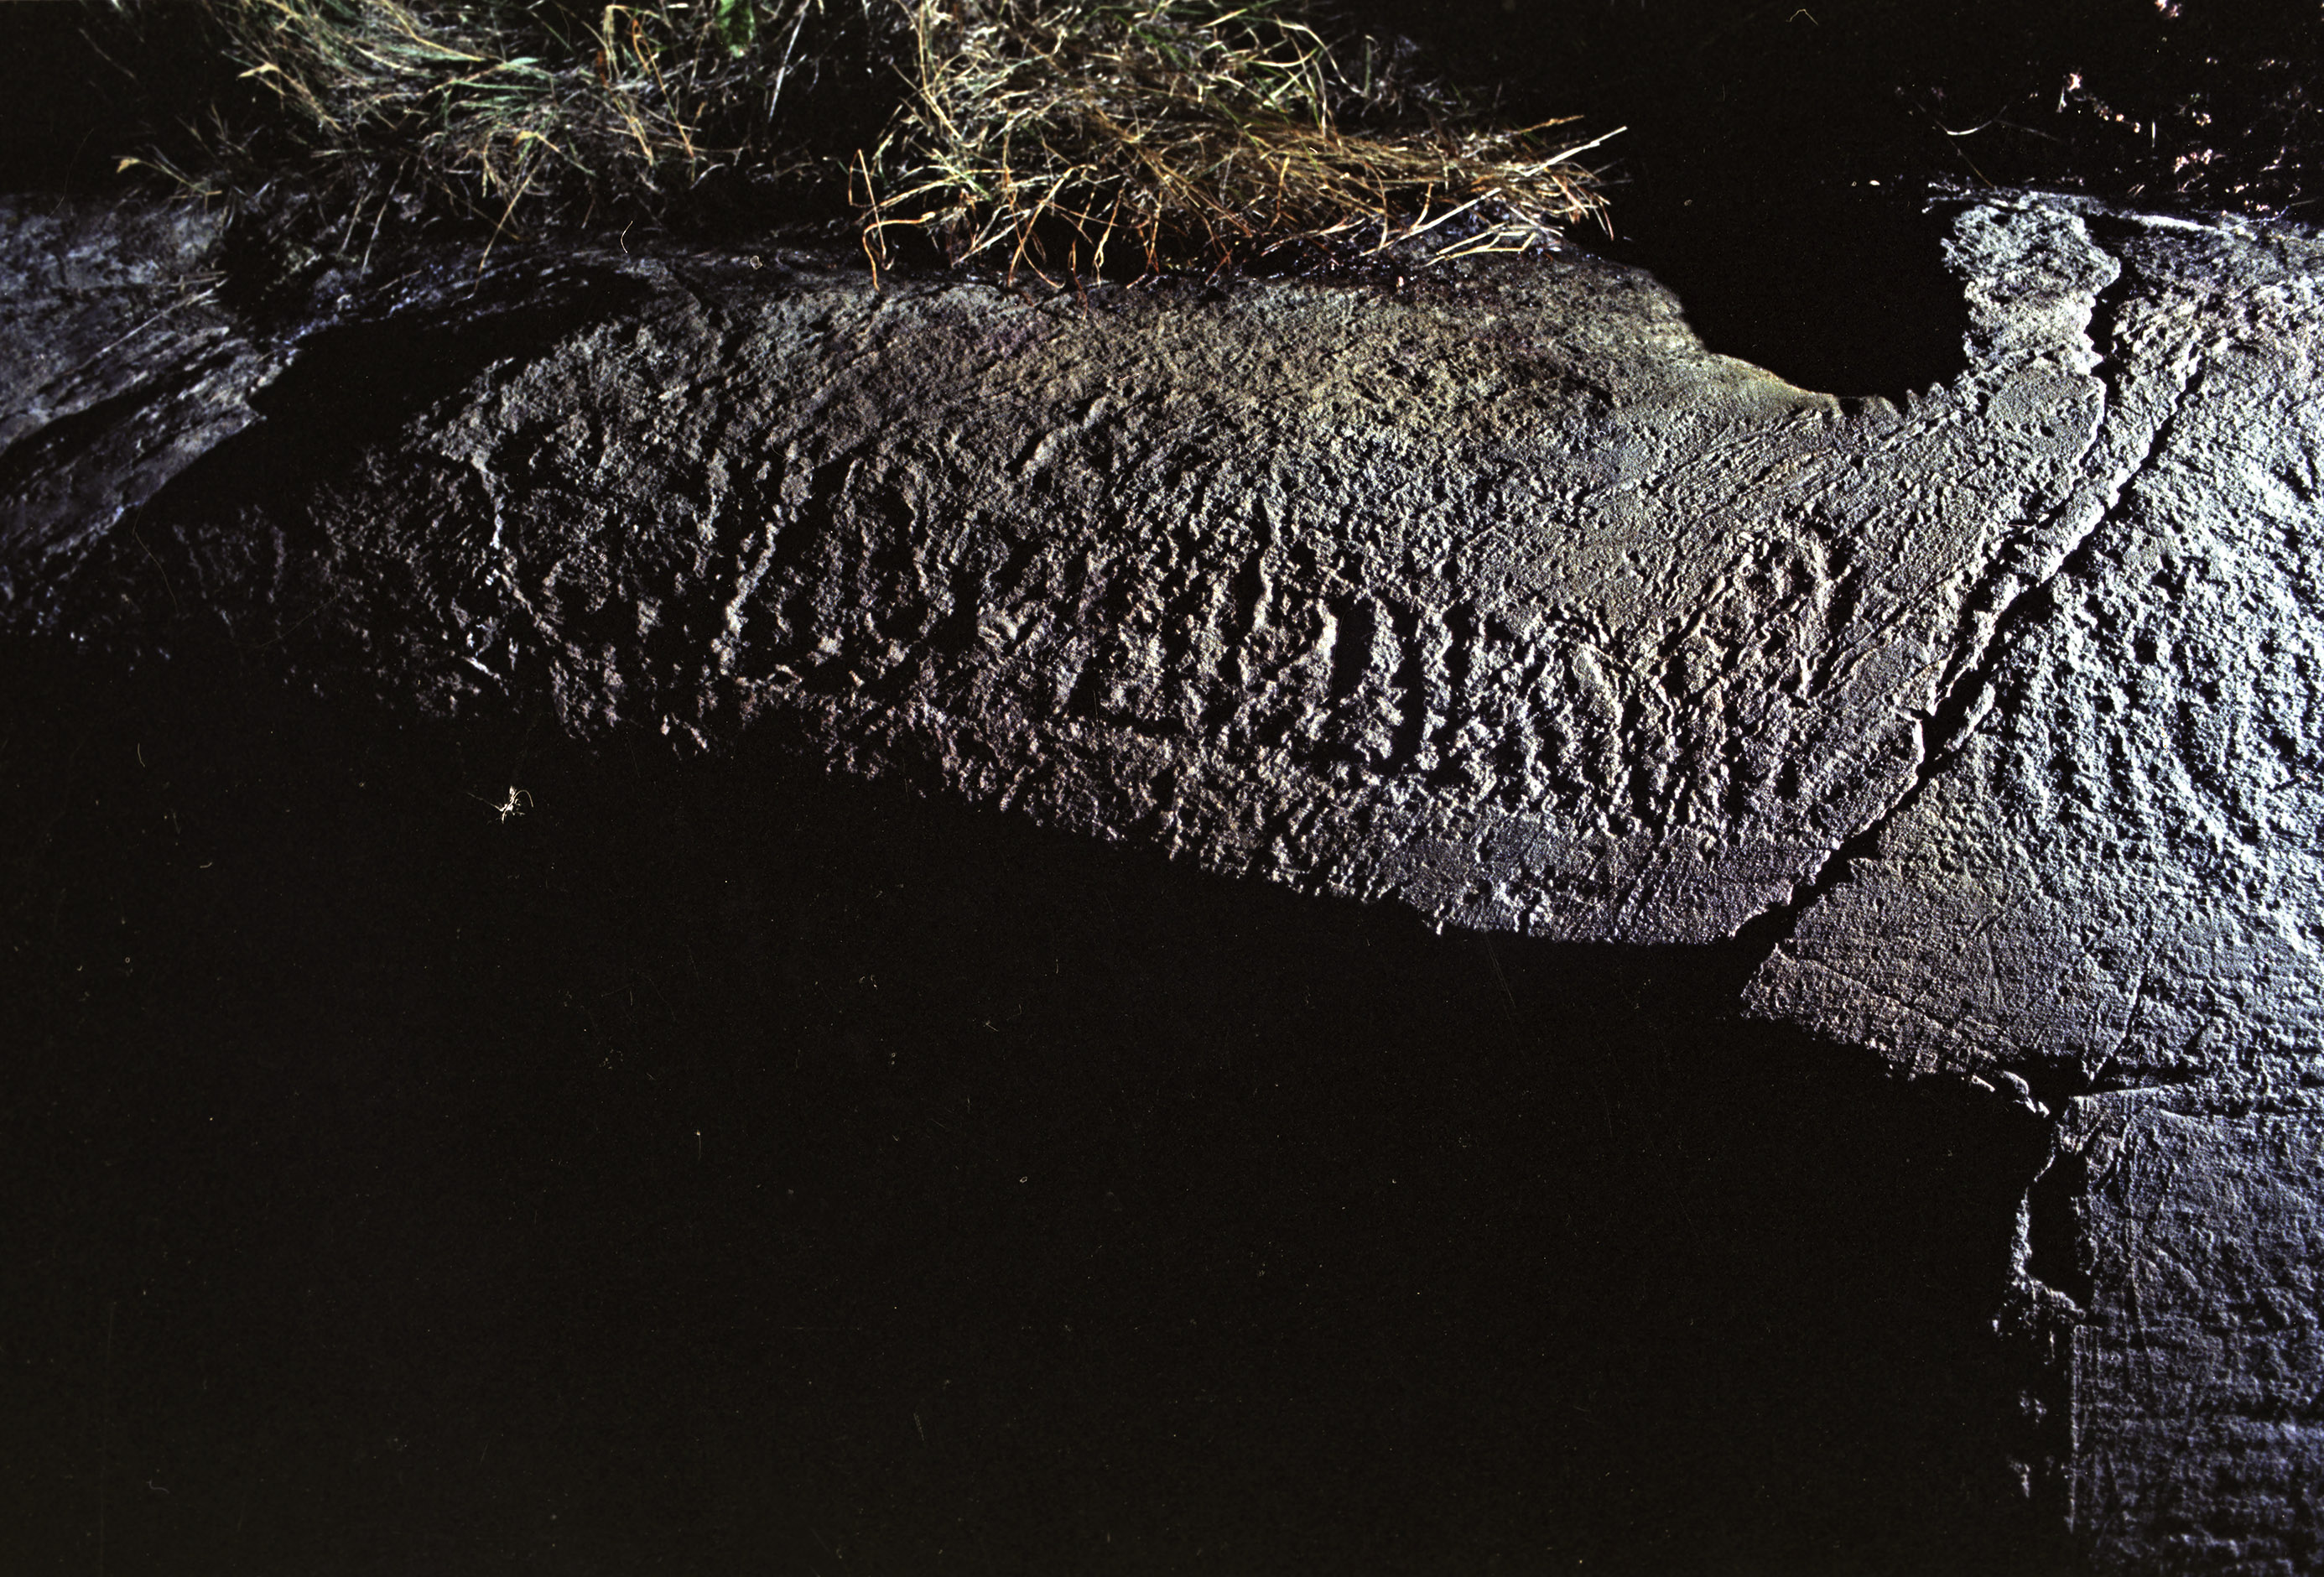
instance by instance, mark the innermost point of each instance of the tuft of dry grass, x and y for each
(480, 103)
(1044, 134)
(1192, 130)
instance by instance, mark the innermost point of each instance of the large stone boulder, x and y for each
(1990, 716)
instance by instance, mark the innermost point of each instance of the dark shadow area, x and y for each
(707, 1167)
(1770, 173)
(79, 91)
(1778, 155)
(1835, 286)
(356, 381)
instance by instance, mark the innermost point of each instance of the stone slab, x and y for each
(1990, 713)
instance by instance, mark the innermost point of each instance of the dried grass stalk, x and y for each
(484, 100)
(1050, 133)
(1192, 130)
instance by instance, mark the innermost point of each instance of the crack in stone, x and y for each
(1944, 732)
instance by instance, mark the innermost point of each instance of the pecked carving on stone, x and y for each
(1502, 598)
(2113, 888)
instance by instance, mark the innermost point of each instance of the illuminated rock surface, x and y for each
(1991, 717)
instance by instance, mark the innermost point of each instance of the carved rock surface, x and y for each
(2195, 1362)
(1503, 599)
(1995, 713)
(2120, 861)
(2114, 886)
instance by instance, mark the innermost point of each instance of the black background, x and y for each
(716, 1168)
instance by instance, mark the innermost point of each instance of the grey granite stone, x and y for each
(2197, 1416)
(2111, 888)
(1993, 717)
(2113, 877)
(1501, 598)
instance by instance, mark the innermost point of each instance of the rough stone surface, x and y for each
(2199, 1426)
(2112, 888)
(118, 368)
(1505, 599)
(1993, 715)
(2114, 879)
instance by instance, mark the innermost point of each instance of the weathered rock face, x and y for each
(2125, 848)
(2195, 1355)
(1498, 596)
(1506, 599)
(2114, 885)
(120, 367)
